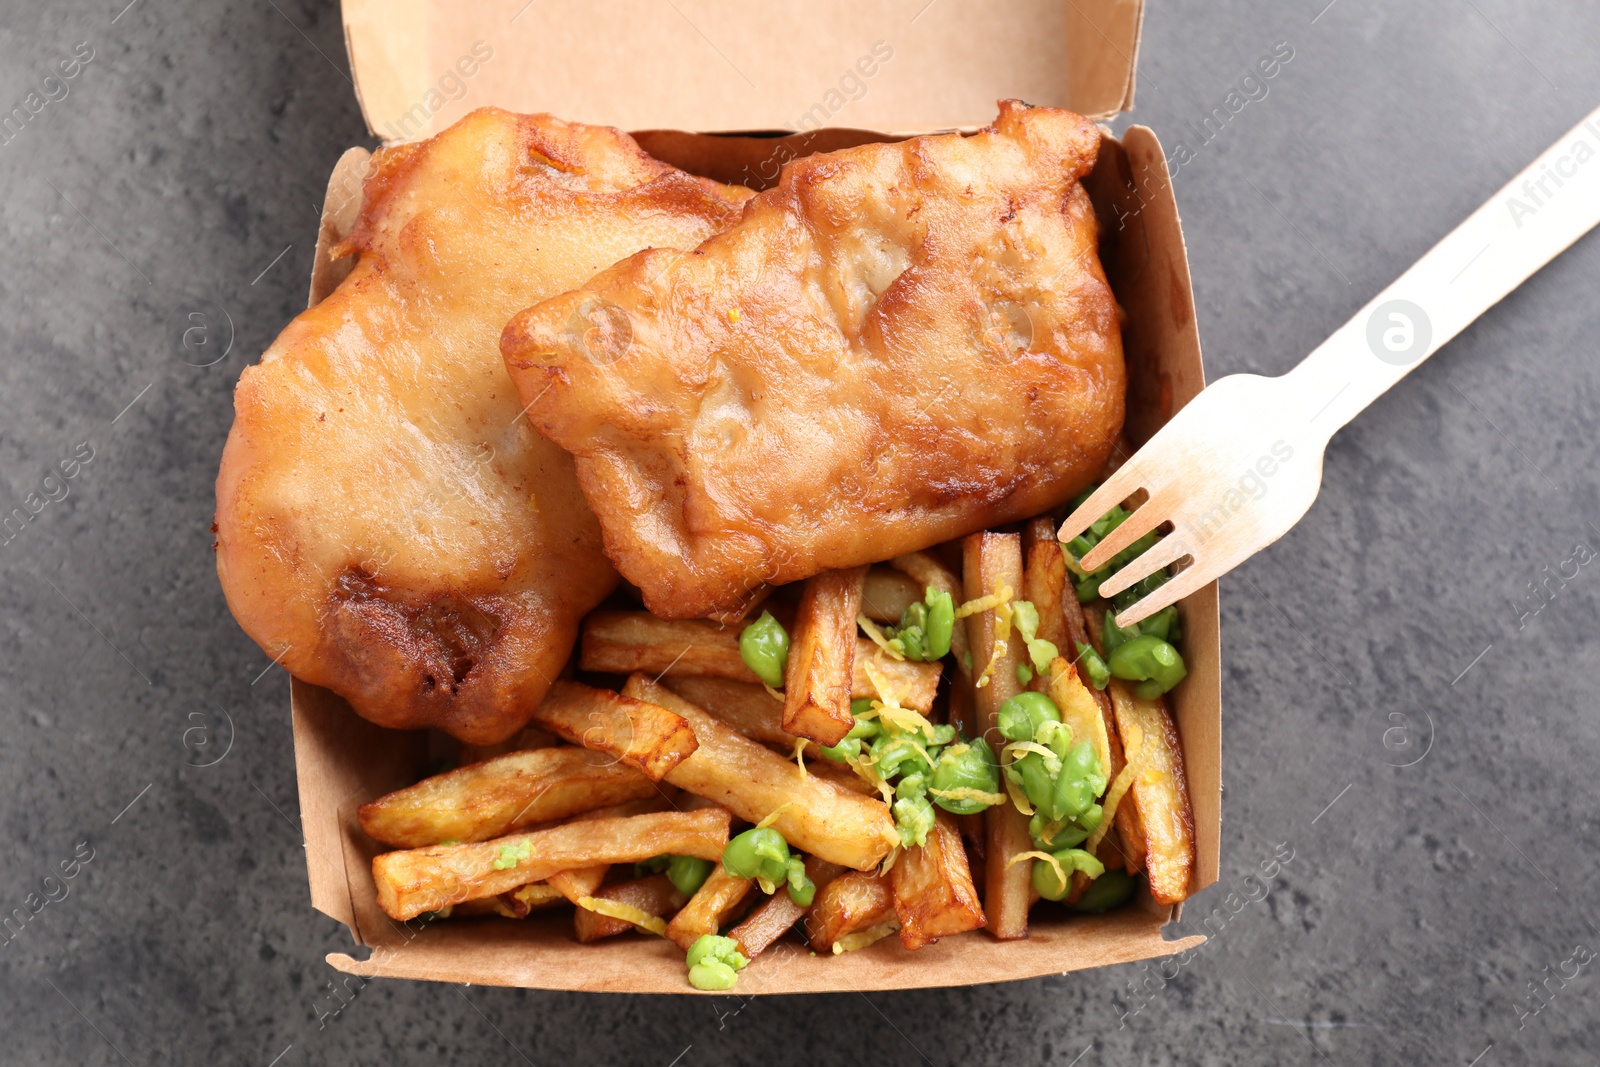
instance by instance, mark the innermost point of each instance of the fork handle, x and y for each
(1525, 225)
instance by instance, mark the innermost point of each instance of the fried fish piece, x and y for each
(387, 526)
(898, 345)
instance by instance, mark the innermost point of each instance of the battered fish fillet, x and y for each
(387, 526)
(898, 345)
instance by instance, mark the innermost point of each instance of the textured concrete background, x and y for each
(183, 173)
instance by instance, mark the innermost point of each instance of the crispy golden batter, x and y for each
(897, 345)
(385, 522)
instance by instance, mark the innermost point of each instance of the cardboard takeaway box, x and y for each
(742, 76)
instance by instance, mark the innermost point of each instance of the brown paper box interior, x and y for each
(727, 65)
(343, 761)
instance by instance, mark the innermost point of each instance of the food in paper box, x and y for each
(938, 724)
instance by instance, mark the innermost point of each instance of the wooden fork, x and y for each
(1239, 465)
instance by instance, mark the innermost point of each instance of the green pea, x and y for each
(1106, 892)
(1053, 886)
(1112, 636)
(1024, 674)
(1150, 660)
(1088, 589)
(1020, 716)
(1138, 591)
(914, 616)
(1135, 550)
(1050, 836)
(969, 767)
(688, 873)
(913, 817)
(1037, 781)
(1071, 796)
(760, 852)
(713, 976)
(911, 644)
(1093, 666)
(653, 865)
(1163, 624)
(1108, 522)
(860, 706)
(802, 890)
(764, 647)
(714, 961)
(845, 751)
(1025, 617)
(894, 754)
(940, 625)
(1081, 546)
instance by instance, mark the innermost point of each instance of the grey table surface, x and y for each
(1400, 711)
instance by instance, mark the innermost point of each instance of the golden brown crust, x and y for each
(897, 345)
(387, 526)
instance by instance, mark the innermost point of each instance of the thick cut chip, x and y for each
(621, 642)
(776, 915)
(493, 798)
(814, 815)
(387, 526)
(655, 896)
(851, 903)
(933, 891)
(750, 709)
(817, 680)
(1160, 793)
(710, 907)
(897, 345)
(642, 735)
(428, 879)
(992, 565)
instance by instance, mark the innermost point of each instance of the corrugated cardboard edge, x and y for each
(341, 760)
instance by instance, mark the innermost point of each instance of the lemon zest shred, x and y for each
(1018, 798)
(906, 720)
(772, 816)
(1002, 634)
(886, 692)
(800, 756)
(616, 909)
(878, 639)
(860, 940)
(982, 603)
(776, 694)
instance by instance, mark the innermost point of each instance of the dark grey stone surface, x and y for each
(183, 171)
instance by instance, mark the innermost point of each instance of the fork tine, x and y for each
(1113, 491)
(1162, 553)
(1145, 517)
(1191, 578)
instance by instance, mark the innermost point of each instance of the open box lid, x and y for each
(898, 66)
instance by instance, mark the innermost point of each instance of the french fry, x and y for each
(851, 903)
(1044, 579)
(776, 915)
(501, 795)
(621, 642)
(993, 563)
(513, 905)
(428, 879)
(914, 684)
(655, 895)
(814, 815)
(887, 593)
(746, 707)
(933, 891)
(926, 571)
(710, 907)
(817, 680)
(839, 774)
(641, 735)
(582, 882)
(1160, 793)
